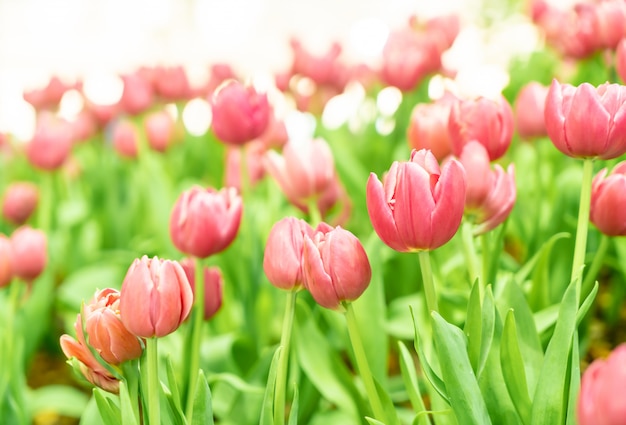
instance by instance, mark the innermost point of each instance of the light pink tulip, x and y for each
(608, 201)
(29, 252)
(159, 127)
(125, 138)
(138, 94)
(529, 110)
(428, 128)
(51, 144)
(19, 201)
(213, 286)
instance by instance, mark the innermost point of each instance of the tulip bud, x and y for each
(205, 221)
(529, 110)
(486, 120)
(282, 261)
(240, 114)
(335, 266)
(6, 265)
(418, 206)
(213, 286)
(587, 122)
(137, 95)
(125, 139)
(608, 201)
(156, 297)
(19, 202)
(428, 128)
(171, 83)
(601, 397)
(51, 144)
(29, 255)
(159, 127)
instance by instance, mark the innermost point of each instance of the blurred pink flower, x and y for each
(29, 253)
(213, 286)
(51, 144)
(6, 261)
(608, 201)
(529, 110)
(19, 202)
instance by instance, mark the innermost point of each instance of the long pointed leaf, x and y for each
(409, 377)
(513, 368)
(267, 412)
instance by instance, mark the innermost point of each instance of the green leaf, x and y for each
(172, 385)
(488, 328)
(293, 412)
(267, 412)
(62, 399)
(202, 405)
(473, 326)
(126, 406)
(513, 368)
(546, 248)
(409, 377)
(434, 379)
(91, 415)
(463, 390)
(373, 421)
(109, 412)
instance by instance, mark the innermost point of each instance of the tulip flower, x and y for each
(252, 153)
(490, 193)
(529, 110)
(155, 298)
(29, 252)
(19, 202)
(620, 60)
(205, 221)
(6, 265)
(608, 201)
(213, 286)
(240, 114)
(171, 83)
(428, 128)
(51, 144)
(138, 94)
(159, 127)
(587, 122)
(282, 261)
(489, 121)
(601, 397)
(335, 266)
(47, 97)
(418, 206)
(125, 138)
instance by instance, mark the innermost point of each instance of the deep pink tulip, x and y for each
(335, 266)
(620, 60)
(491, 194)
(240, 113)
(138, 94)
(159, 127)
(304, 170)
(587, 122)
(608, 201)
(125, 138)
(205, 221)
(418, 206)
(529, 110)
(171, 82)
(282, 261)
(601, 397)
(6, 263)
(489, 121)
(156, 297)
(51, 144)
(29, 253)
(428, 128)
(213, 286)
(19, 201)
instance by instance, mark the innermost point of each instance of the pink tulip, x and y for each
(47, 97)
(324, 69)
(253, 154)
(171, 83)
(213, 286)
(608, 201)
(138, 94)
(491, 193)
(335, 266)
(159, 127)
(51, 144)
(486, 120)
(601, 397)
(620, 60)
(125, 138)
(304, 171)
(529, 110)
(587, 122)
(205, 221)
(6, 264)
(240, 114)
(418, 206)
(428, 128)
(29, 253)
(282, 261)
(19, 202)
(156, 297)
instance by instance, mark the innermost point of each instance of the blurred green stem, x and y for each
(596, 264)
(427, 279)
(363, 366)
(315, 217)
(154, 407)
(244, 184)
(283, 362)
(196, 334)
(580, 246)
(469, 250)
(486, 251)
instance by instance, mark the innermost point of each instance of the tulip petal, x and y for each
(316, 280)
(450, 203)
(381, 214)
(587, 123)
(608, 205)
(554, 114)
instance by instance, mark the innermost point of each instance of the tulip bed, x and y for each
(455, 260)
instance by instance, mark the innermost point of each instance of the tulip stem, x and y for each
(363, 365)
(580, 246)
(154, 407)
(598, 258)
(484, 242)
(315, 217)
(283, 362)
(469, 249)
(243, 168)
(196, 334)
(429, 284)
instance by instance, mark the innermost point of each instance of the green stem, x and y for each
(580, 246)
(154, 407)
(363, 365)
(283, 362)
(484, 242)
(596, 264)
(469, 250)
(427, 278)
(244, 184)
(315, 217)
(196, 336)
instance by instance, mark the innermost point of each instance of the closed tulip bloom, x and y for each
(51, 144)
(19, 202)
(6, 265)
(282, 261)
(138, 94)
(608, 201)
(304, 170)
(335, 266)
(171, 83)
(428, 128)
(125, 138)
(601, 397)
(29, 252)
(587, 122)
(205, 221)
(418, 206)
(489, 121)
(159, 127)
(213, 286)
(491, 194)
(155, 298)
(240, 113)
(529, 110)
